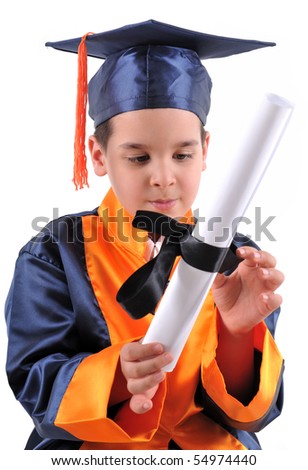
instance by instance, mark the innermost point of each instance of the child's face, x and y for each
(154, 159)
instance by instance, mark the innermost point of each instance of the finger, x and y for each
(140, 404)
(269, 302)
(140, 369)
(138, 351)
(220, 280)
(254, 257)
(142, 385)
(272, 278)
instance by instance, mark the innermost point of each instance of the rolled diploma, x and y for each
(188, 287)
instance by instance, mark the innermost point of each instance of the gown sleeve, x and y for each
(85, 411)
(60, 363)
(267, 402)
(43, 346)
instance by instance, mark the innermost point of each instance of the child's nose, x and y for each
(162, 176)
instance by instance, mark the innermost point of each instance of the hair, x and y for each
(104, 131)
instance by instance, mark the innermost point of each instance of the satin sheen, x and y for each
(155, 77)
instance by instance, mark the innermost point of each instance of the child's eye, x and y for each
(139, 160)
(182, 156)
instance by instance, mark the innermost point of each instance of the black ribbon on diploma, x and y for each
(142, 291)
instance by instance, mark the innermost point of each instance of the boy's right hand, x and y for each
(141, 365)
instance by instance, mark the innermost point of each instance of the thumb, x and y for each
(142, 402)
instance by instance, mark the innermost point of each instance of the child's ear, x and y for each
(205, 149)
(97, 156)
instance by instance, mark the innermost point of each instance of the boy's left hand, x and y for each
(247, 296)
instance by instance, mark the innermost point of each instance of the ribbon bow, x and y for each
(141, 292)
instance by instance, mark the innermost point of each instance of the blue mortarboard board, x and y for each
(151, 65)
(153, 32)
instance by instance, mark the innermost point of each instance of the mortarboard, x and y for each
(146, 65)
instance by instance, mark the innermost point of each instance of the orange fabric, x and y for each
(111, 256)
(80, 160)
(83, 410)
(270, 371)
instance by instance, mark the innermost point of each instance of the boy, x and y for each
(75, 358)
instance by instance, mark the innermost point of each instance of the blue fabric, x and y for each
(53, 322)
(150, 77)
(152, 32)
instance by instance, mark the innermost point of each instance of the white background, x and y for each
(38, 88)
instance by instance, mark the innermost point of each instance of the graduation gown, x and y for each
(65, 333)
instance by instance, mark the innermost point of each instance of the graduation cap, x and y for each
(146, 65)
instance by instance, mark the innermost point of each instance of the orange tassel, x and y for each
(80, 159)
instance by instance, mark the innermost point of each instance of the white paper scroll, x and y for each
(188, 287)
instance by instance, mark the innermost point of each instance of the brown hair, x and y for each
(104, 131)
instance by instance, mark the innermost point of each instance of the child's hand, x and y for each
(247, 296)
(141, 365)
